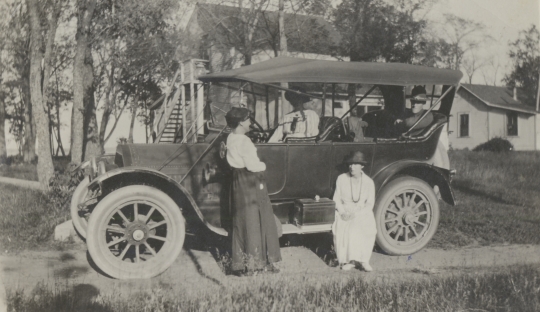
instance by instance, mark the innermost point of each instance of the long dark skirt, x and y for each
(255, 240)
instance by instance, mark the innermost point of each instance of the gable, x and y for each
(496, 97)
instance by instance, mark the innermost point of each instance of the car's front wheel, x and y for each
(135, 232)
(407, 215)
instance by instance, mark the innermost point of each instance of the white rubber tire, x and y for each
(80, 223)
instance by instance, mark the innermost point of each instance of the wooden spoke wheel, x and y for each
(407, 215)
(135, 232)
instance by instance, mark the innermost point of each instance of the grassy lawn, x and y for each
(19, 171)
(497, 197)
(28, 217)
(511, 289)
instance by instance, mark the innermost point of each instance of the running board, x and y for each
(305, 229)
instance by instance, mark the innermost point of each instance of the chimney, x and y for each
(515, 94)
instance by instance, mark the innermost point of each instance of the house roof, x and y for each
(498, 97)
(290, 69)
(305, 33)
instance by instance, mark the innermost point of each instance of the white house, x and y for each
(481, 113)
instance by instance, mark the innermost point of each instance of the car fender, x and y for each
(111, 179)
(430, 174)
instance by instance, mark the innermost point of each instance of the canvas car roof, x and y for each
(290, 69)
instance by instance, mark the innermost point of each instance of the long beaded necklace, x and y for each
(359, 190)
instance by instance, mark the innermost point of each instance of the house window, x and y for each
(512, 124)
(463, 125)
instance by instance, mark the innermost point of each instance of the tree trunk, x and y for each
(107, 110)
(83, 87)
(45, 167)
(58, 123)
(93, 146)
(29, 145)
(3, 149)
(133, 117)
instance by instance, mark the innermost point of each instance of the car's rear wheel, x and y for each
(407, 215)
(79, 217)
(135, 232)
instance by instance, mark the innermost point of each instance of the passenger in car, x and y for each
(411, 116)
(354, 227)
(255, 243)
(300, 123)
(356, 126)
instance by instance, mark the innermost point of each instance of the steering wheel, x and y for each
(257, 134)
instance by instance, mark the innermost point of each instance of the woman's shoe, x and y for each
(270, 268)
(367, 267)
(347, 267)
(242, 273)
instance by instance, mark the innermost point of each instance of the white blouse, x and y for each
(242, 153)
(307, 125)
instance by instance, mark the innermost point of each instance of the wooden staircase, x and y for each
(169, 115)
(176, 108)
(173, 127)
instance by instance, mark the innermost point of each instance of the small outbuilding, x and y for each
(481, 113)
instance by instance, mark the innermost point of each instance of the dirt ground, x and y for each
(197, 271)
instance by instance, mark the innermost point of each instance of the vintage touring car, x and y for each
(135, 209)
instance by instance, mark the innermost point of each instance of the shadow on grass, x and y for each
(81, 297)
(199, 268)
(467, 188)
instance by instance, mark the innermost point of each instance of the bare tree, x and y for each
(490, 70)
(471, 64)
(461, 34)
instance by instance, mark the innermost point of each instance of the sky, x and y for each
(503, 19)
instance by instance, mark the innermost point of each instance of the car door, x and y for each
(274, 155)
(308, 170)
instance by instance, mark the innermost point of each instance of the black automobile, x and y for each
(134, 217)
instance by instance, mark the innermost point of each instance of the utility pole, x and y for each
(282, 50)
(282, 36)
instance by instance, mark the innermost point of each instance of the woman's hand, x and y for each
(346, 216)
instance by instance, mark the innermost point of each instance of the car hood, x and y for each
(162, 157)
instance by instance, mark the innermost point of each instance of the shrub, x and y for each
(63, 184)
(496, 145)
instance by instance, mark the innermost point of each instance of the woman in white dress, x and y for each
(354, 227)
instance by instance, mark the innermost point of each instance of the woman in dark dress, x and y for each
(255, 243)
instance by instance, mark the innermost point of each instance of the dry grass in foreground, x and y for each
(516, 289)
(28, 218)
